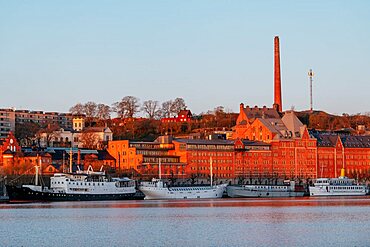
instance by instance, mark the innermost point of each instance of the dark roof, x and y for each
(257, 112)
(104, 155)
(8, 152)
(327, 139)
(356, 141)
(95, 129)
(184, 112)
(255, 143)
(206, 142)
(35, 153)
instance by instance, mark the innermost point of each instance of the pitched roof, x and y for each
(257, 112)
(276, 125)
(292, 123)
(356, 141)
(97, 129)
(8, 151)
(104, 155)
(184, 112)
(349, 141)
(326, 140)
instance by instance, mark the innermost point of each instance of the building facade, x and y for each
(10, 117)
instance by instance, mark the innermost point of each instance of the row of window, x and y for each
(76, 183)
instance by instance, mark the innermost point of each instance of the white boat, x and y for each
(254, 190)
(158, 189)
(341, 186)
(80, 186)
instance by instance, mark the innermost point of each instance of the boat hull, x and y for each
(322, 191)
(152, 193)
(26, 194)
(240, 191)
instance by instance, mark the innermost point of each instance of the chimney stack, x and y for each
(278, 105)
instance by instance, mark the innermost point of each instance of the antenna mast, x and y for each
(310, 75)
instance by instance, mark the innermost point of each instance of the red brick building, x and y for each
(184, 116)
(343, 151)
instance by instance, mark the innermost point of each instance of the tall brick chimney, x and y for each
(278, 104)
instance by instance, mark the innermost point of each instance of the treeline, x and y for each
(323, 121)
(128, 107)
(149, 129)
(125, 125)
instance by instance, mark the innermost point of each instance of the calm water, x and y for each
(221, 222)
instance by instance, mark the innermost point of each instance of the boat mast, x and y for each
(211, 169)
(63, 165)
(159, 169)
(70, 160)
(37, 175)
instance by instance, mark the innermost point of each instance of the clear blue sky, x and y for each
(54, 54)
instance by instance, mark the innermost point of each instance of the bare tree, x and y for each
(77, 109)
(90, 109)
(89, 140)
(47, 133)
(127, 107)
(103, 111)
(166, 108)
(26, 132)
(177, 105)
(151, 108)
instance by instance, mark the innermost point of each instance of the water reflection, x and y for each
(217, 222)
(225, 202)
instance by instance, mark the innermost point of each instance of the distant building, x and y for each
(90, 136)
(144, 157)
(8, 145)
(7, 122)
(10, 117)
(79, 136)
(184, 116)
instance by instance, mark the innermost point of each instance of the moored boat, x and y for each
(158, 189)
(288, 189)
(4, 199)
(80, 186)
(342, 186)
